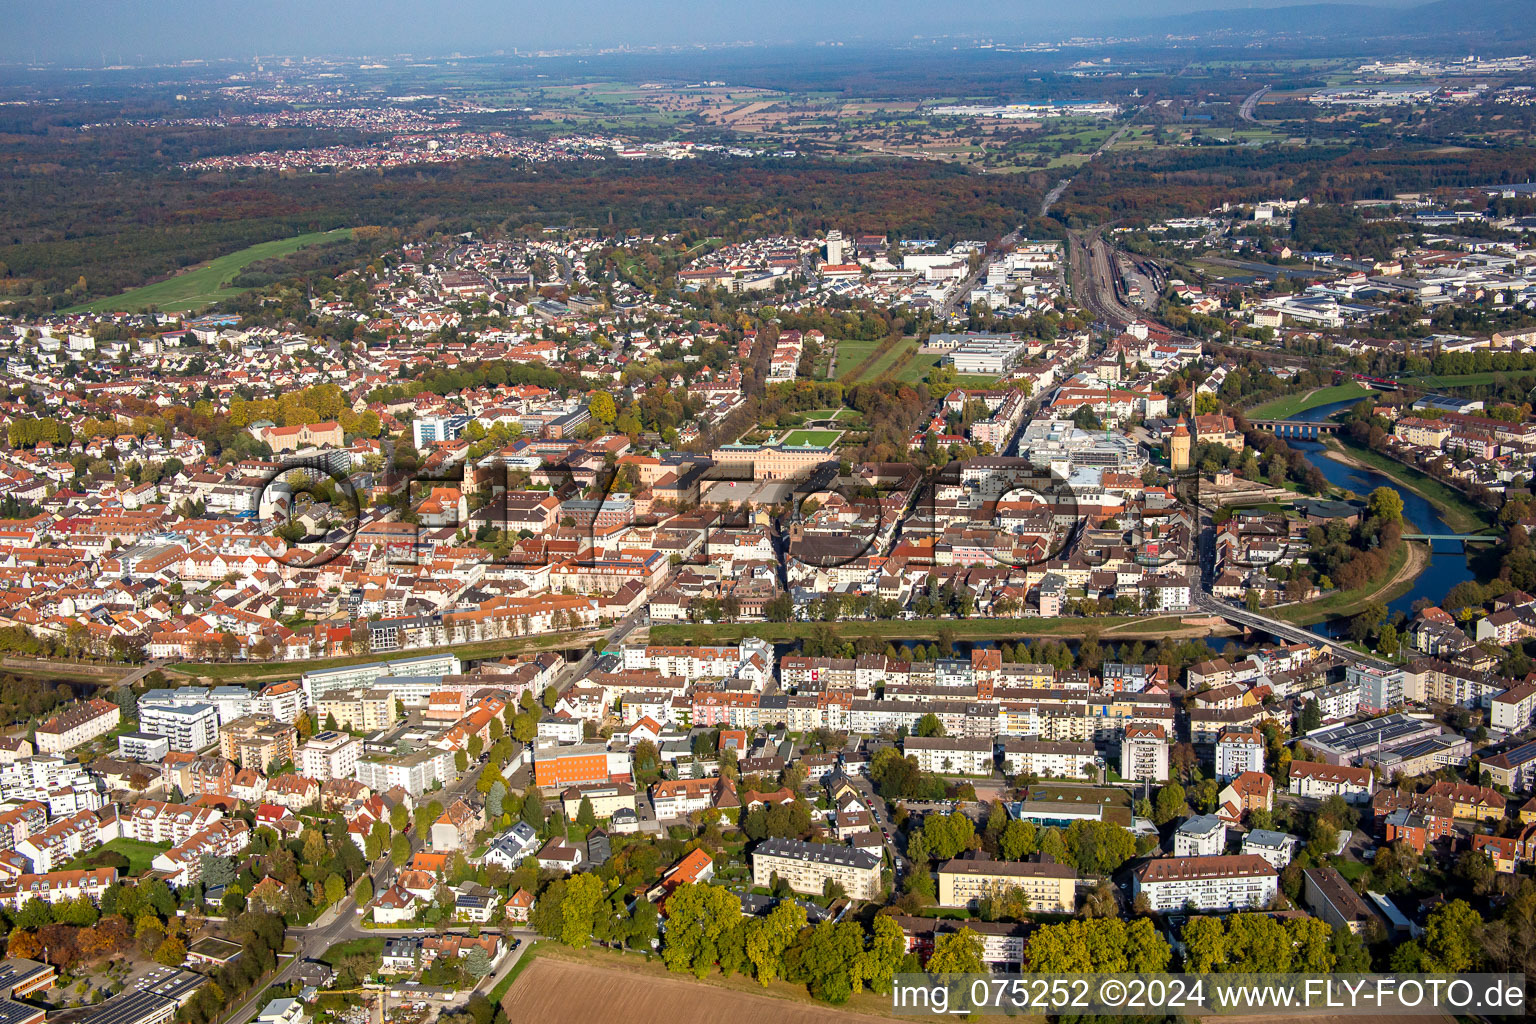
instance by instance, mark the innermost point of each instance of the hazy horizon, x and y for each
(102, 31)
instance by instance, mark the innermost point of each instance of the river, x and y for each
(1448, 561)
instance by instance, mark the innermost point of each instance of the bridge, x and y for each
(1465, 538)
(1308, 429)
(1286, 631)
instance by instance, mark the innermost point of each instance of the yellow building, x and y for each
(1050, 886)
(1178, 448)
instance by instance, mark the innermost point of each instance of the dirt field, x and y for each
(557, 990)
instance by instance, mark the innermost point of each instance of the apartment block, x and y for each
(1144, 753)
(330, 755)
(1049, 886)
(187, 728)
(808, 867)
(950, 755)
(1062, 759)
(1238, 882)
(258, 741)
(80, 723)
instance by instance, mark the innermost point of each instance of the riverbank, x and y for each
(1407, 562)
(1129, 627)
(1289, 406)
(1459, 513)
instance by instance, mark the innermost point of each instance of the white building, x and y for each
(1238, 751)
(1046, 759)
(1319, 781)
(947, 755)
(1239, 882)
(1202, 836)
(330, 755)
(187, 728)
(1276, 847)
(1144, 753)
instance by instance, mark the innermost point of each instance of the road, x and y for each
(1061, 186)
(1246, 110)
(1283, 630)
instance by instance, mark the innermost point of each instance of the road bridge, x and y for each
(1306, 429)
(1287, 631)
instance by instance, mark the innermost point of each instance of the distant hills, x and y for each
(1484, 20)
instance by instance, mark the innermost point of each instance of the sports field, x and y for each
(810, 438)
(202, 285)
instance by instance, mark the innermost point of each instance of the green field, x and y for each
(1121, 626)
(1453, 506)
(811, 438)
(918, 367)
(1291, 405)
(851, 353)
(1464, 380)
(139, 856)
(891, 360)
(204, 285)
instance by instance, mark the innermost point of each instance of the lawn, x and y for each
(811, 438)
(203, 285)
(139, 855)
(1291, 405)
(890, 360)
(371, 945)
(1344, 603)
(918, 367)
(1459, 513)
(850, 354)
(914, 629)
(240, 671)
(1463, 380)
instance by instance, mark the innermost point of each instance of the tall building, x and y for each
(191, 728)
(808, 867)
(1178, 448)
(835, 247)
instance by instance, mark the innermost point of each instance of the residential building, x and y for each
(1237, 882)
(78, 724)
(330, 755)
(1049, 886)
(1144, 753)
(1201, 836)
(188, 728)
(808, 867)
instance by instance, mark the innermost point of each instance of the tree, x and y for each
(172, 952)
(363, 892)
(584, 813)
(957, 953)
(399, 817)
(1386, 504)
(929, 726)
(1018, 840)
(335, 889)
(768, 937)
(400, 849)
(583, 895)
(477, 962)
(1205, 945)
(883, 959)
(698, 915)
(1169, 804)
(1452, 942)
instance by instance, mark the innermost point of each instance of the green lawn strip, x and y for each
(852, 356)
(258, 670)
(139, 855)
(1292, 405)
(903, 629)
(1345, 603)
(813, 438)
(201, 285)
(1459, 513)
(889, 361)
(919, 367)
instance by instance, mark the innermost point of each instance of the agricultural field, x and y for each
(203, 285)
(564, 986)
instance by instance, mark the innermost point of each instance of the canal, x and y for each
(1448, 560)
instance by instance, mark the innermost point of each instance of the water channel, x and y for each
(1448, 561)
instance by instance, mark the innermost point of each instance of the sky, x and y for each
(132, 31)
